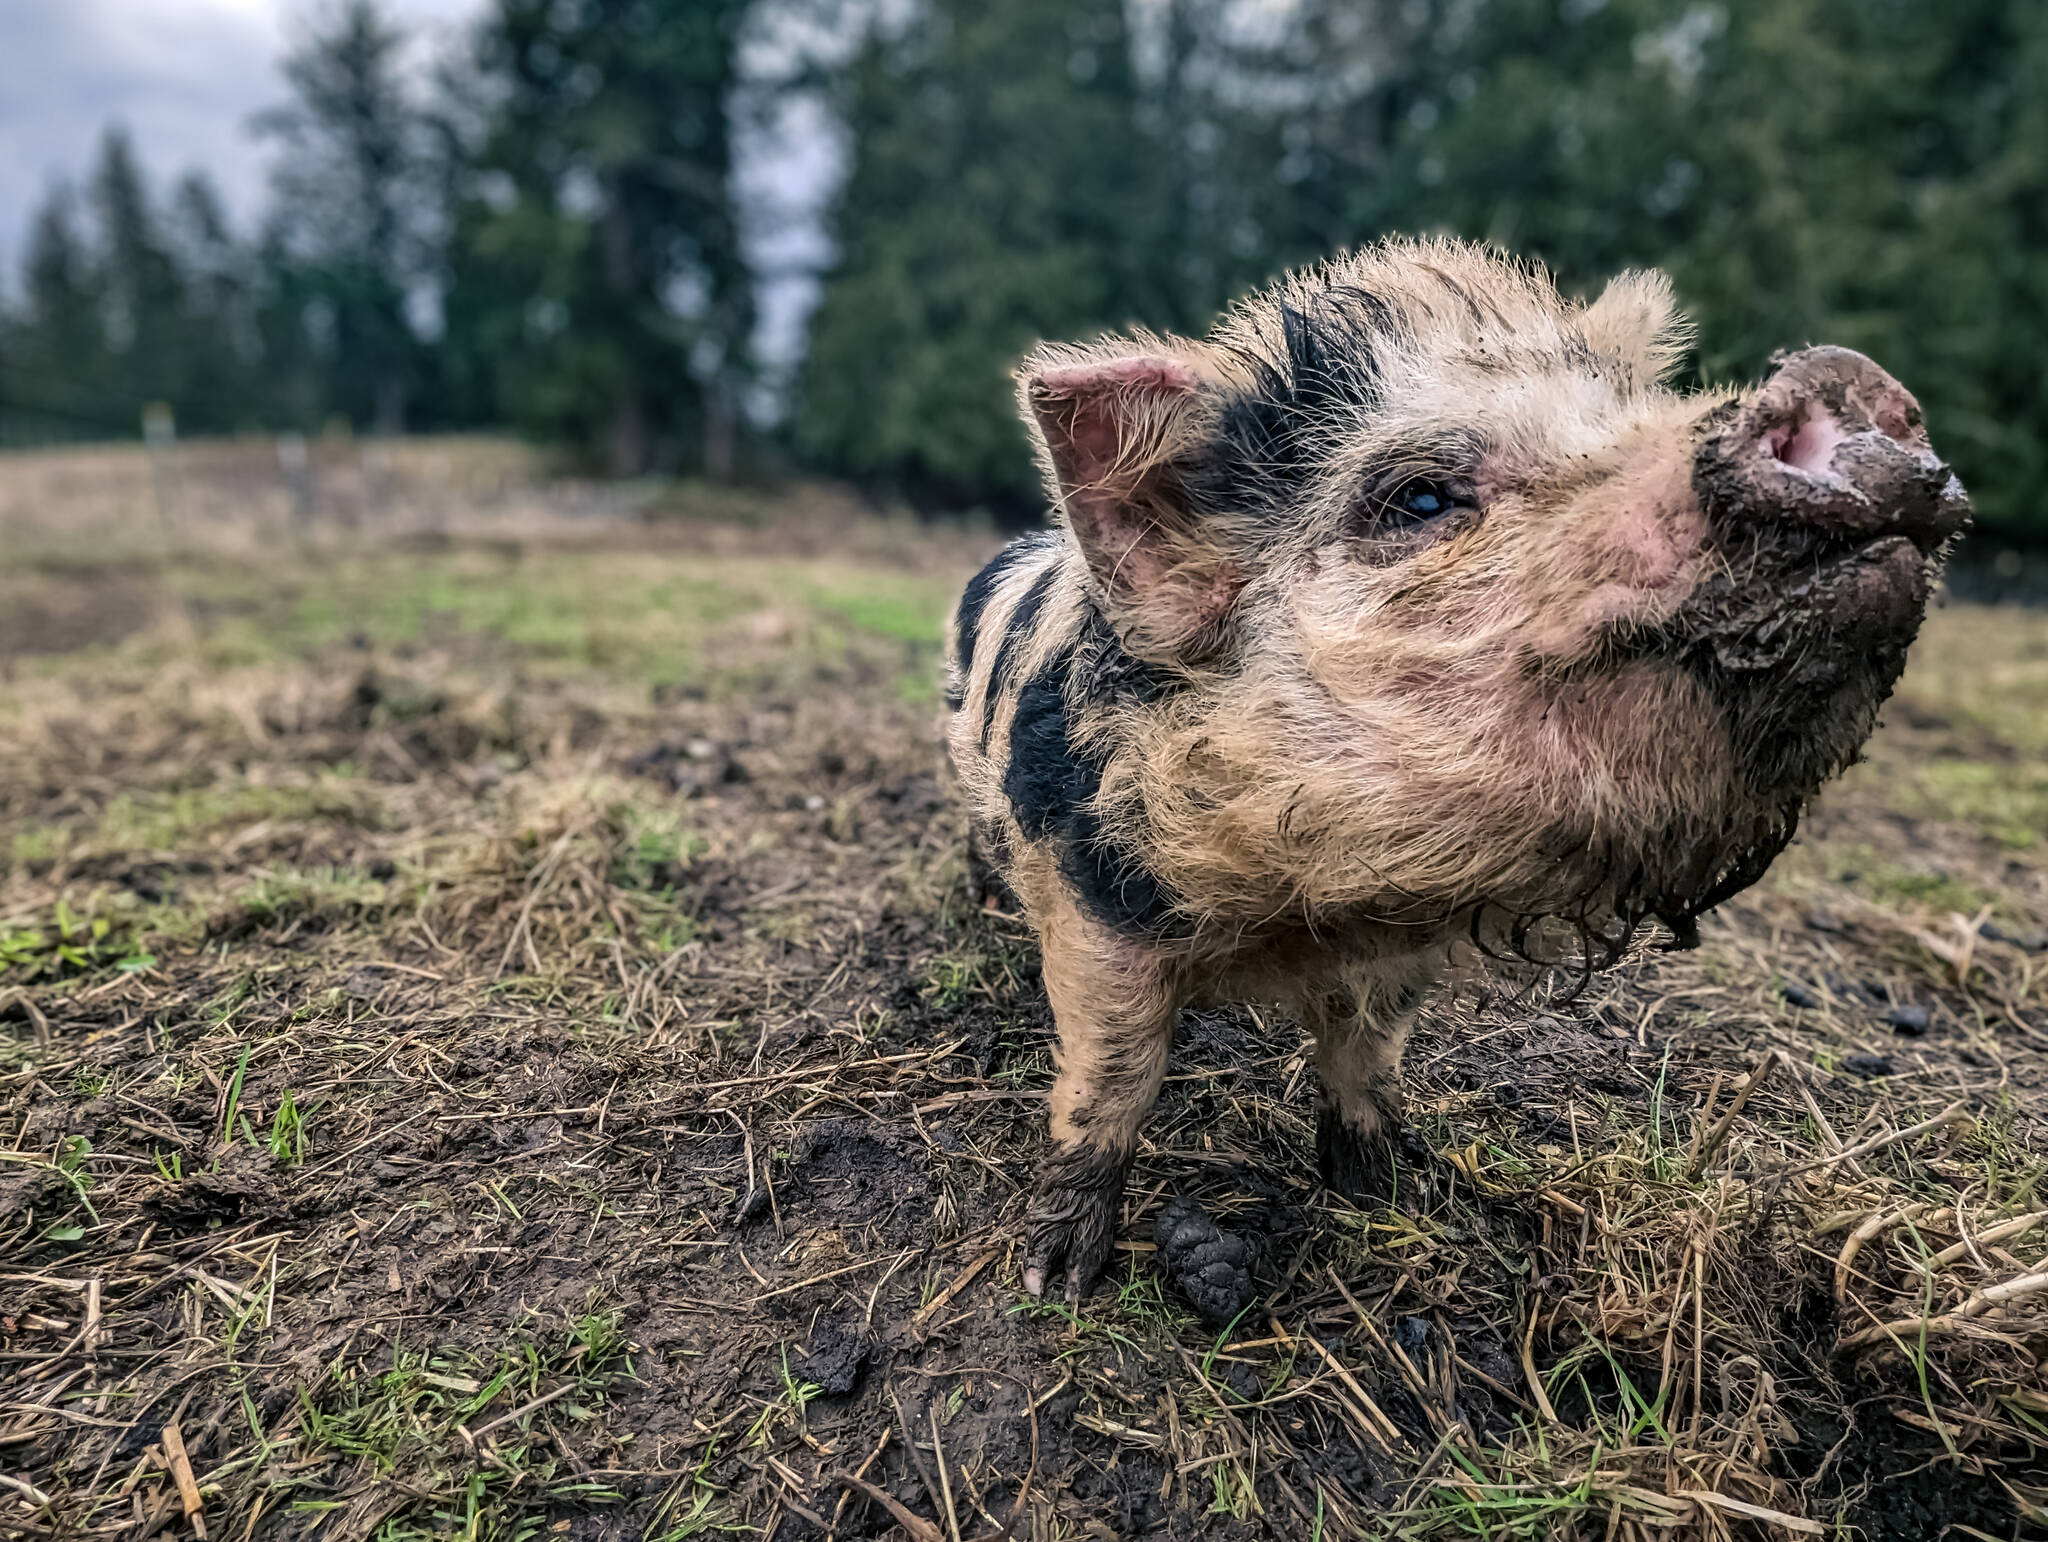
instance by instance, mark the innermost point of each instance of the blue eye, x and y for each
(1428, 498)
(1420, 501)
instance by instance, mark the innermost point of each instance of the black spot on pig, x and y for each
(1016, 637)
(1050, 784)
(974, 600)
(1275, 434)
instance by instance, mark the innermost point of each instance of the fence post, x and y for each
(297, 467)
(160, 434)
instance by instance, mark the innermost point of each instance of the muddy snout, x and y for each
(1833, 448)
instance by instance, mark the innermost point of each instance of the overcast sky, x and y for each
(183, 75)
(186, 76)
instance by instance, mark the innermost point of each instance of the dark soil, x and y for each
(717, 1152)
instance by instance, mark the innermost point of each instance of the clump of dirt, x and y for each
(836, 1355)
(240, 1187)
(1210, 1267)
(852, 1173)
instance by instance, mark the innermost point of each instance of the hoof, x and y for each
(1362, 1167)
(1072, 1220)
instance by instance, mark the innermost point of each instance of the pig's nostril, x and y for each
(1808, 445)
(1829, 453)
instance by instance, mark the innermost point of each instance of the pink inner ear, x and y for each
(1092, 437)
(1088, 412)
(1100, 424)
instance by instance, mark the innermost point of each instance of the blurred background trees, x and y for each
(596, 288)
(550, 231)
(352, 220)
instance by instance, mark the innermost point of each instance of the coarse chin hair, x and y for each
(1631, 902)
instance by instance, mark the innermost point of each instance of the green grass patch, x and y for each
(407, 1424)
(785, 1408)
(949, 978)
(655, 847)
(1860, 867)
(68, 942)
(286, 894)
(902, 606)
(33, 848)
(574, 608)
(166, 821)
(2008, 801)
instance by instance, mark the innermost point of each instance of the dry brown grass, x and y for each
(497, 1047)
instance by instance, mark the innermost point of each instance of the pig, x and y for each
(1411, 608)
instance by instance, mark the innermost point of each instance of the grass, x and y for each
(171, 820)
(693, 1507)
(286, 1137)
(912, 610)
(489, 1006)
(949, 978)
(785, 1409)
(228, 1130)
(1913, 884)
(422, 1423)
(2009, 802)
(68, 943)
(1971, 725)
(564, 616)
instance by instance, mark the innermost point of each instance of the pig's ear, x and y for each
(1636, 326)
(1111, 427)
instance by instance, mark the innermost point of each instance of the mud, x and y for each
(719, 1144)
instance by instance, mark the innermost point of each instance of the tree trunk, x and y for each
(628, 439)
(389, 410)
(719, 430)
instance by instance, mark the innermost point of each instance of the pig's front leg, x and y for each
(1360, 1022)
(985, 885)
(1114, 1002)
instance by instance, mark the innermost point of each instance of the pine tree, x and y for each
(140, 289)
(54, 363)
(1001, 190)
(1021, 173)
(352, 209)
(598, 264)
(287, 302)
(217, 348)
(1867, 172)
(135, 306)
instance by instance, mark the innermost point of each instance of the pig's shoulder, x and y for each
(1055, 770)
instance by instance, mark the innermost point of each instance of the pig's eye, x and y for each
(1428, 498)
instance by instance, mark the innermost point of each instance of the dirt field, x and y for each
(496, 1045)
